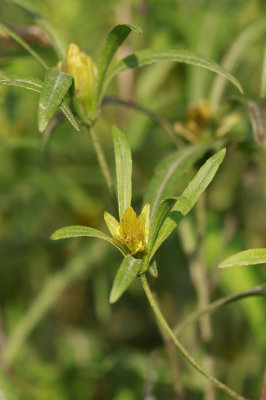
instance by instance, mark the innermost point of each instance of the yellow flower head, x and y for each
(84, 71)
(132, 232)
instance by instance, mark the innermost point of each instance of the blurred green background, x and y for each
(60, 337)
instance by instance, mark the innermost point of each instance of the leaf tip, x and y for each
(53, 236)
(113, 297)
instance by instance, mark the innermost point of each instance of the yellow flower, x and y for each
(84, 71)
(132, 232)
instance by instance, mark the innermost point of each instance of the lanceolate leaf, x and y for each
(170, 172)
(23, 44)
(125, 275)
(163, 209)
(145, 57)
(153, 269)
(56, 84)
(115, 38)
(123, 162)
(69, 115)
(6, 390)
(160, 214)
(81, 231)
(36, 85)
(189, 197)
(57, 39)
(247, 257)
(33, 84)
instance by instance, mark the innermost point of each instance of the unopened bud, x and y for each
(84, 71)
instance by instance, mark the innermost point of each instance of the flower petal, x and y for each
(111, 222)
(146, 214)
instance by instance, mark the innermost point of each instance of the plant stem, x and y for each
(102, 160)
(164, 324)
(259, 290)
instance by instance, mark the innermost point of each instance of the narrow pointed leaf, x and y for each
(6, 390)
(23, 44)
(81, 231)
(69, 115)
(153, 270)
(189, 197)
(36, 85)
(114, 39)
(58, 41)
(56, 84)
(125, 275)
(247, 257)
(32, 84)
(170, 172)
(145, 57)
(160, 214)
(263, 76)
(123, 162)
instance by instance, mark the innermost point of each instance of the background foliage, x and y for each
(70, 343)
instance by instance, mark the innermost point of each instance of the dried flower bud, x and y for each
(84, 71)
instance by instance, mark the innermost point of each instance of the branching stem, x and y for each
(164, 324)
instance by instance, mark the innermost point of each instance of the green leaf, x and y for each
(36, 85)
(114, 39)
(257, 116)
(23, 44)
(56, 84)
(6, 390)
(125, 275)
(69, 115)
(81, 231)
(149, 56)
(234, 55)
(247, 257)
(32, 84)
(123, 162)
(57, 39)
(170, 172)
(160, 214)
(189, 197)
(153, 271)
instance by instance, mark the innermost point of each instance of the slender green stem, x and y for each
(156, 117)
(102, 160)
(259, 290)
(162, 321)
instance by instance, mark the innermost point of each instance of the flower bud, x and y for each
(84, 71)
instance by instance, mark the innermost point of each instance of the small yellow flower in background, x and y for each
(197, 119)
(132, 232)
(84, 71)
(198, 116)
